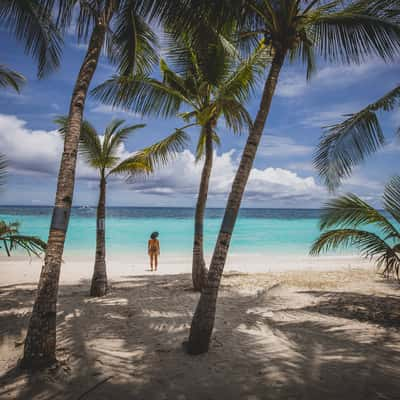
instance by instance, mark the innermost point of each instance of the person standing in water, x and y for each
(153, 250)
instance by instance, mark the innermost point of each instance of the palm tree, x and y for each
(131, 47)
(212, 84)
(348, 143)
(338, 31)
(12, 239)
(348, 214)
(101, 153)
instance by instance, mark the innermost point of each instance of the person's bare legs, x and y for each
(156, 260)
(151, 261)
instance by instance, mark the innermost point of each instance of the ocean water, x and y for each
(275, 231)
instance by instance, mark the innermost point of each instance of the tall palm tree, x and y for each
(101, 153)
(338, 31)
(213, 83)
(12, 239)
(130, 45)
(30, 21)
(348, 143)
(349, 214)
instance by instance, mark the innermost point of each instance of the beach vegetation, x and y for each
(340, 32)
(213, 85)
(351, 217)
(347, 143)
(11, 240)
(103, 153)
(120, 29)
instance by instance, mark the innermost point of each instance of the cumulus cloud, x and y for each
(183, 176)
(31, 152)
(38, 152)
(105, 109)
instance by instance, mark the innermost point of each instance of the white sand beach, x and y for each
(76, 267)
(312, 328)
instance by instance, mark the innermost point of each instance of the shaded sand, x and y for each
(289, 335)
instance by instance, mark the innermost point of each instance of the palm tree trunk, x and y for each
(199, 270)
(99, 279)
(40, 342)
(204, 316)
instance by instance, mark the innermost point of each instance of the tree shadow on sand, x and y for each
(267, 345)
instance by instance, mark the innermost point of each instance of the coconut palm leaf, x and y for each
(31, 244)
(391, 198)
(133, 43)
(12, 239)
(350, 210)
(140, 94)
(348, 143)
(354, 33)
(30, 21)
(161, 152)
(133, 166)
(89, 145)
(10, 78)
(369, 244)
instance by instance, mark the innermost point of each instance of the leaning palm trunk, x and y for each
(199, 270)
(99, 279)
(203, 319)
(40, 342)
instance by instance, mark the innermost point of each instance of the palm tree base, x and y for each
(34, 363)
(98, 289)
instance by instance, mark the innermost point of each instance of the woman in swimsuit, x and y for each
(153, 250)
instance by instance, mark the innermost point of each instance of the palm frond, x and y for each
(391, 198)
(10, 78)
(133, 43)
(12, 239)
(31, 22)
(348, 143)
(369, 244)
(243, 81)
(160, 153)
(136, 165)
(120, 136)
(353, 212)
(90, 147)
(140, 94)
(31, 244)
(355, 33)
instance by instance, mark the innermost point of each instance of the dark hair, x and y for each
(154, 235)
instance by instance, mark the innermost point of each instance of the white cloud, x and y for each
(31, 152)
(282, 146)
(36, 152)
(183, 175)
(294, 84)
(105, 109)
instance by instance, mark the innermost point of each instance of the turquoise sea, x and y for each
(277, 231)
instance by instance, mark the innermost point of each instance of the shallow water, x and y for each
(272, 231)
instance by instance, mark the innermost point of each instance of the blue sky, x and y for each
(282, 176)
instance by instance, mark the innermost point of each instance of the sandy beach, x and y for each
(323, 331)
